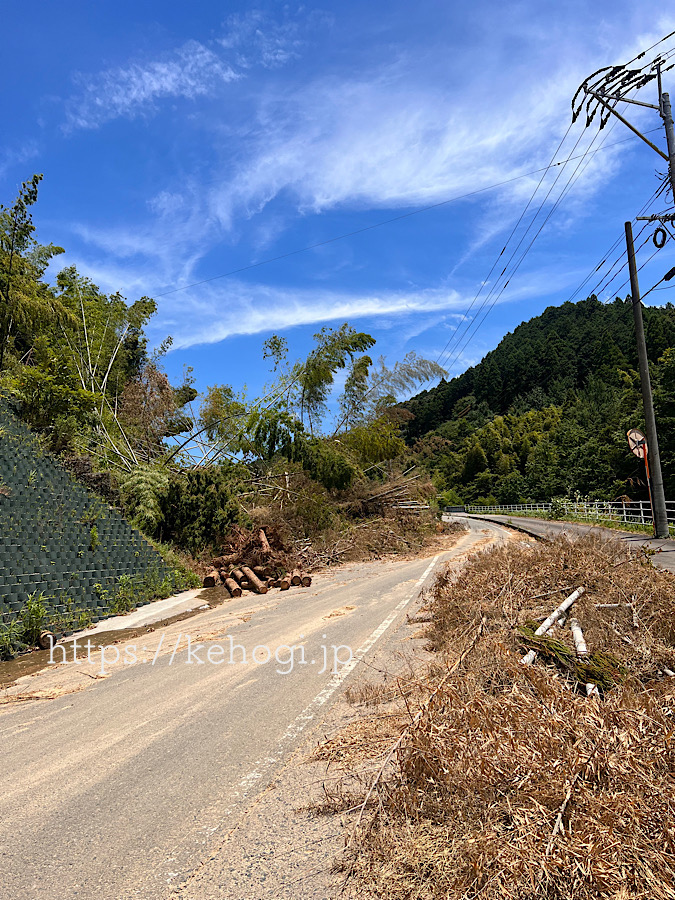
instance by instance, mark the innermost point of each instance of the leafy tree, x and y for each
(27, 302)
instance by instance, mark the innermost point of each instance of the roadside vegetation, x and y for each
(486, 777)
(192, 471)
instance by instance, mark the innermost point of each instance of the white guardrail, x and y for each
(635, 512)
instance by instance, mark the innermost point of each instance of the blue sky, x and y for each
(181, 141)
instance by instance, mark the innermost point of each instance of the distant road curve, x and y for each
(544, 529)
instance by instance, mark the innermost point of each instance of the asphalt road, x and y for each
(120, 788)
(664, 548)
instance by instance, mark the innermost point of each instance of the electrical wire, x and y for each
(381, 224)
(513, 231)
(496, 291)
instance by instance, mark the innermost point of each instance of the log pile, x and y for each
(258, 563)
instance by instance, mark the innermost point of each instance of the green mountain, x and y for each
(545, 414)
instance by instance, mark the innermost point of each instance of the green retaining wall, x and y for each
(47, 544)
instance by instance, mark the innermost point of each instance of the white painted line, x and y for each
(301, 721)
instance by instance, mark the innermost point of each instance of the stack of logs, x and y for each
(237, 577)
(258, 579)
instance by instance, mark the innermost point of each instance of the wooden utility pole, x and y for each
(608, 87)
(658, 497)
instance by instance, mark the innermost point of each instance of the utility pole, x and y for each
(600, 94)
(658, 497)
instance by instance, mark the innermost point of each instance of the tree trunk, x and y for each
(233, 587)
(264, 543)
(254, 581)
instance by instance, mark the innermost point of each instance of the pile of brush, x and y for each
(258, 563)
(515, 780)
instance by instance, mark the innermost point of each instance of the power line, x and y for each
(575, 175)
(495, 290)
(414, 212)
(513, 231)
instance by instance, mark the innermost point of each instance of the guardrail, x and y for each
(635, 512)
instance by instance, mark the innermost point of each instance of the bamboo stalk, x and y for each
(548, 624)
(578, 638)
(582, 650)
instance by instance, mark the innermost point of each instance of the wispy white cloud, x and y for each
(255, 38)
(382, 138)
(192, 70)
(11, 157)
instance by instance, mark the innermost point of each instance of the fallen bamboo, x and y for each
(547, 624)
(578, 638)
(258, 586)
(413, 723)
(582, 651)
(233, 587)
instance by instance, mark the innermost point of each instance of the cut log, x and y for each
(273, 583)
(233, 587)
(264, 543)
(212, 579)
(258, 586)
(260, 571)
(223, 562)
(245, 585)
(45, 640)
(284, 583)
(238, 575)
(296, 577)
(306, 580)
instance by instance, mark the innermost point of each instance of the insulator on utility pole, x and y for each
(659, 513)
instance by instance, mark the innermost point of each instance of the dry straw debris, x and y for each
(510, 782)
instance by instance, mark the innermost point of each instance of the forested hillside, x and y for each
(545, 414)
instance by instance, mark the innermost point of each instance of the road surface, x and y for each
(124, 784)
(664, 549)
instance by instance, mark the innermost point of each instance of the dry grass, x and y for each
(510, 782)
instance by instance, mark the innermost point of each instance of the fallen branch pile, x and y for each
(258, 562)
(553, 779)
